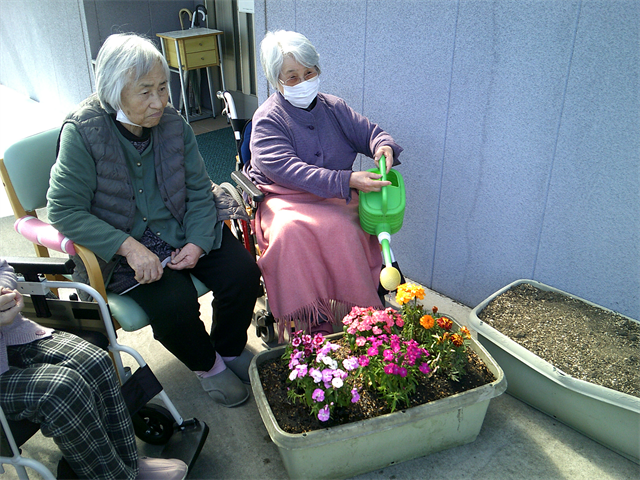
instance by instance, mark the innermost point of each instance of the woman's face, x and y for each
(292, 73)
(143, 101)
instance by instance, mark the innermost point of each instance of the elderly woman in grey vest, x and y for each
(129, 183)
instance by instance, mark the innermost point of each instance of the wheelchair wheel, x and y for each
(265, 326)
(153, 424)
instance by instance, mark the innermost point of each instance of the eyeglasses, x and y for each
(294, 79)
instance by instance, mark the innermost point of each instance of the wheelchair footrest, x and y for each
(187, 441)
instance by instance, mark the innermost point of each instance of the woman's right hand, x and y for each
(144, 262)
(367, 181)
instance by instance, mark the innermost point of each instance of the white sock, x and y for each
(218, 367)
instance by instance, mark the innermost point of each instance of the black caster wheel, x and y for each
(267, 334)
(153, 424)
(265, 326)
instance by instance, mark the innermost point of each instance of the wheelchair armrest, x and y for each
(41, 265)
(247, 186)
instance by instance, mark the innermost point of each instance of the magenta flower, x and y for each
(389, 368)
(424, 368)
(318, 395)
(363, 361)
(355, 396)
(302, 370)
(316, 375)
(324, 414)
(387, 355)
(350, 363)
(372, 351)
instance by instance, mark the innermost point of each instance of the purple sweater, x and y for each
(314, 150)
(21, 330)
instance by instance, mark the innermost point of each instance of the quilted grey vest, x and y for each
(114, 199)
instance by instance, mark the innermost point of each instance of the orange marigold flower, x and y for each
(407, 292)
(457, 339)
(465, 331)
(427, 321)
(418, 292)
(445, 323)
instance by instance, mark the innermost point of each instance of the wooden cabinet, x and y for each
(193, 49)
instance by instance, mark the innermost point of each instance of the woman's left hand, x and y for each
(11, 303)
(387, 151)
(185, 257)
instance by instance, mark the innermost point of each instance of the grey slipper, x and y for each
(240, 365)
(225, 388)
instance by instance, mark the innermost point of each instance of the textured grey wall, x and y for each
(46, 46)
(43, 51)
(520, 122)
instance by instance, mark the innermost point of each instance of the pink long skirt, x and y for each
(316, 260)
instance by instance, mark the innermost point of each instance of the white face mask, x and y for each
(302, 95)
(122, 118)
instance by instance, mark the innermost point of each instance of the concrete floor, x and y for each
(516, 441)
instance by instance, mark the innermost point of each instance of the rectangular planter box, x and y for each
(359, 447)
(607, 416)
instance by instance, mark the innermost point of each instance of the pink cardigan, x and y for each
(21, 330)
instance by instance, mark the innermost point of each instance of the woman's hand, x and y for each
(11, 303)
(144, 262)
(367, 181)
(387, 151)
(185, 257)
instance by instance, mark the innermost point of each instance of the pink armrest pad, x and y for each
(43, 234)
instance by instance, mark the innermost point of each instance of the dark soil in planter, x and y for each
(295, 418)
(584, 341)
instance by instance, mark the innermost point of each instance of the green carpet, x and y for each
(218, 149)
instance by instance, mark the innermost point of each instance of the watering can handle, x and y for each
(384, 195)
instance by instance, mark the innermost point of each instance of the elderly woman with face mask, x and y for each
(316, 260)
(130, 184)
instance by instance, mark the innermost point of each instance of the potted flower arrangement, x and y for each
(386, 354)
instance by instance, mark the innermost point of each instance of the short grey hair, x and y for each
(276, 45)
(124, 58)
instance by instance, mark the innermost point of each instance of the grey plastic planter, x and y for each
(607, 416)
(360, 447)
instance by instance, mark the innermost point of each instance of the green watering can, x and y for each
(381, 214)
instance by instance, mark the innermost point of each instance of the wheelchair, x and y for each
(25, 174)
(246, 192)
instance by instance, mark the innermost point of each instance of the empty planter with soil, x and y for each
(567, 357)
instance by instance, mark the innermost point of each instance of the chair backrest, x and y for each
(27, 165)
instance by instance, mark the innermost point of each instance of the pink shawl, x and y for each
(315, 259)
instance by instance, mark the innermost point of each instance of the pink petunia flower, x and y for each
(355, 396)
(318, 395)
(324, 414)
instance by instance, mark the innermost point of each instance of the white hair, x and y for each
(124, 58)
(276, 45)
